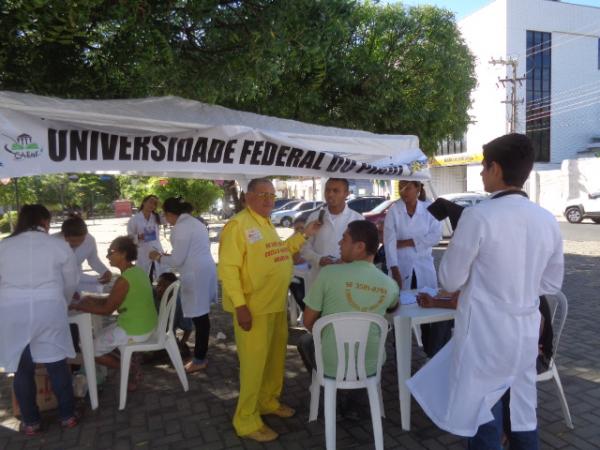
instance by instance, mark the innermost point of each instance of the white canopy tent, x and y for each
(171, 136)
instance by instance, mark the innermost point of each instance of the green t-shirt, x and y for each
(354, 287)
(137, 314)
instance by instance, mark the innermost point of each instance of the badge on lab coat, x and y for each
(253, 235)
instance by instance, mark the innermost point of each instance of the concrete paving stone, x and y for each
(122, 444)
(161, 415)
(167, 440)
(432, 444)
(209, 434)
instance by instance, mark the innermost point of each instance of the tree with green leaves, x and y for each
(202, 194)
(362, 65)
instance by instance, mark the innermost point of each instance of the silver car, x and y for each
(286, 217)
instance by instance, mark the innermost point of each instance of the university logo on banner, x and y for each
(22, 147)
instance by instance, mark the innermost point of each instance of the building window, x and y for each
(451, 146)
(538, 98)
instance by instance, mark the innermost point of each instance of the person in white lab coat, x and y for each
(74, 230)
(38, 276)
(323, 248)
(409, 234)
(505, 253)
(192, 258)
(144, 228)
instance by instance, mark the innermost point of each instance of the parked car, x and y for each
(364, 203)
(306, 214)
(288, 204)
(583, 208)
(286, 217)
(279, 202)
(378, 213)
(465, 199)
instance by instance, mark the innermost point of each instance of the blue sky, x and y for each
(463, 8)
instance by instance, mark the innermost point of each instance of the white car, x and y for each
(465, 199)
(583, 208)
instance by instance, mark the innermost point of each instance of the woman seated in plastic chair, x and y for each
(132, 297)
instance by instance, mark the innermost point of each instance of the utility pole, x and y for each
(513, 80)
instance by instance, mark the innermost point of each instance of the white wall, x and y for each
(575, 84)
(485, 34)
(499, 30)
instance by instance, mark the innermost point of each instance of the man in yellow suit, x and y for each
(255, 268)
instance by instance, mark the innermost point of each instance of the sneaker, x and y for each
(71, 422)
(265, 434)
(31, 430)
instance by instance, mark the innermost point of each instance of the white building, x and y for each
(556, 48)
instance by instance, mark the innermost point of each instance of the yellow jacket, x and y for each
(255, 265)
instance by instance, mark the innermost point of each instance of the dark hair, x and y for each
(256, 181)
(168, 276)
(126, 245)
(514, 153)
(74, 226)
(176, 205)
(144, 200)
(31, 217)
(299, 219)
(422, 194)
(365, 231)
(340, 180)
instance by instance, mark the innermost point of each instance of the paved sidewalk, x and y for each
(161, 416)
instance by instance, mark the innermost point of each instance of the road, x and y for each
(585, 231)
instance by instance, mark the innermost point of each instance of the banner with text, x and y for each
(34, 146)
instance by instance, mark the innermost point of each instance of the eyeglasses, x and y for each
(266, 195)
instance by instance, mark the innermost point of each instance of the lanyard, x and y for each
(510, 192)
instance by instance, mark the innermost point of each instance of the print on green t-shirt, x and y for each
(354, 287)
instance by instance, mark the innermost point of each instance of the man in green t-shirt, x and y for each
(356, 286)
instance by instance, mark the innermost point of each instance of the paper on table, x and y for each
(408, 297)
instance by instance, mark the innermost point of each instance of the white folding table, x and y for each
(404, 318)
(83, 321)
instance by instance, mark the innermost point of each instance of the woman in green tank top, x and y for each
(132, 297)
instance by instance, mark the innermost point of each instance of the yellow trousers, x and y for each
(261, 352)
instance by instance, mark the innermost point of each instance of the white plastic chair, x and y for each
(163, 337)
(351, 334)
(558, 308)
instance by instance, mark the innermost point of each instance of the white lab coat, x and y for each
(191, 257)
(425, 230)
(505, 253)
(327, 241)
(38, 276)
(150, 228)
(87, 251)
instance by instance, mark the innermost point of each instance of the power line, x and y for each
(564, 93)
(564, 102)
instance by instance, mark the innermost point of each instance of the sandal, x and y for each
(193, 367)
